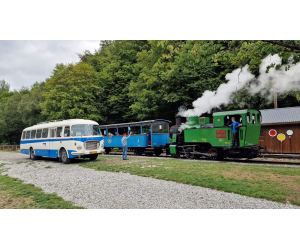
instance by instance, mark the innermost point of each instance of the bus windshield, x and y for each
(86, 130)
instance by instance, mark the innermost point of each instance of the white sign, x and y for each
(289, 132)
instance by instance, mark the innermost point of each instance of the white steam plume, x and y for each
(277, 80)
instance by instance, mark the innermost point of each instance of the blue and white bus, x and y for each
(63, 139)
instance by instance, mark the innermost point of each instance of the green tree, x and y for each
(4, 87)
(173, 73)
(72, 92)
(114, 63)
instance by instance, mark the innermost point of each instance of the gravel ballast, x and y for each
(89, 188)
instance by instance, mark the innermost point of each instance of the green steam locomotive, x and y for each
(201, 136)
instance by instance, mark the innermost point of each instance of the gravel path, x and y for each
(98, 189)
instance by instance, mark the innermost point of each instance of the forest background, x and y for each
(132, 80)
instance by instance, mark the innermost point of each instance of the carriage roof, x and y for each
(135, 123)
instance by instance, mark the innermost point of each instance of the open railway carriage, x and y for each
(147, 137)
(198, 137)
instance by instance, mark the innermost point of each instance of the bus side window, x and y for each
(27, 135)
(38, 133)
(45, 133)
(53, 132)
(67, 131)
(23, 135)
(33, 132)
(59, 132)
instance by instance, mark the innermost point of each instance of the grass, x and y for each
(10, 151)
(281, 184)
(15, 194)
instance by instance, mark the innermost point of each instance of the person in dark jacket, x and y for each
(234, 126)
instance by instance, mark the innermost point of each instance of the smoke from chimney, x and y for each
(280, 80)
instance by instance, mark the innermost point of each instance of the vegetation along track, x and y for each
(252, 161)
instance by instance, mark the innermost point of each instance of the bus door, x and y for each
(46, 142)
(53, 152)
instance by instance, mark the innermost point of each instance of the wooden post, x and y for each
(275, 99)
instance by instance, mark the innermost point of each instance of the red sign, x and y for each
(272, 133)
(221, 136)
(221, 131)
(201, 120)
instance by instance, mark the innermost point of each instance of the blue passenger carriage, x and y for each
(147, 136)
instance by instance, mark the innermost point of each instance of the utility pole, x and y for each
(275, 99)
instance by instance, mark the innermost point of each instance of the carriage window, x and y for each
(53, 132)
(67, 131)
(103, 131)
(45, 133)
(155, 128)
(27, 134)
(33, 132)
(165, 128)
(146, 128)
(160, 128)
(136, 130)
(113, 131)
(38, 133)
(59, 132)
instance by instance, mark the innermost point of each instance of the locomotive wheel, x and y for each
(213, 154)
(188, 153)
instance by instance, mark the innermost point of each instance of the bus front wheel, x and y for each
(32, 155)
(93, 157)
(64, 157)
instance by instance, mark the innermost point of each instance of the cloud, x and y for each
(23, 63)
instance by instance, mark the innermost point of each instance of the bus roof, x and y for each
(129, 123)
(57, 123)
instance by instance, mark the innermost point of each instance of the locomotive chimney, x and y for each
(179, 120)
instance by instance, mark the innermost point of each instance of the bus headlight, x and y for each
(79, 147)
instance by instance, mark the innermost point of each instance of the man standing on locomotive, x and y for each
(234, 126)
(124, 145)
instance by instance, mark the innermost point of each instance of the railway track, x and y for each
(252, 161)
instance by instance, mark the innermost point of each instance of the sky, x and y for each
(22, 63)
